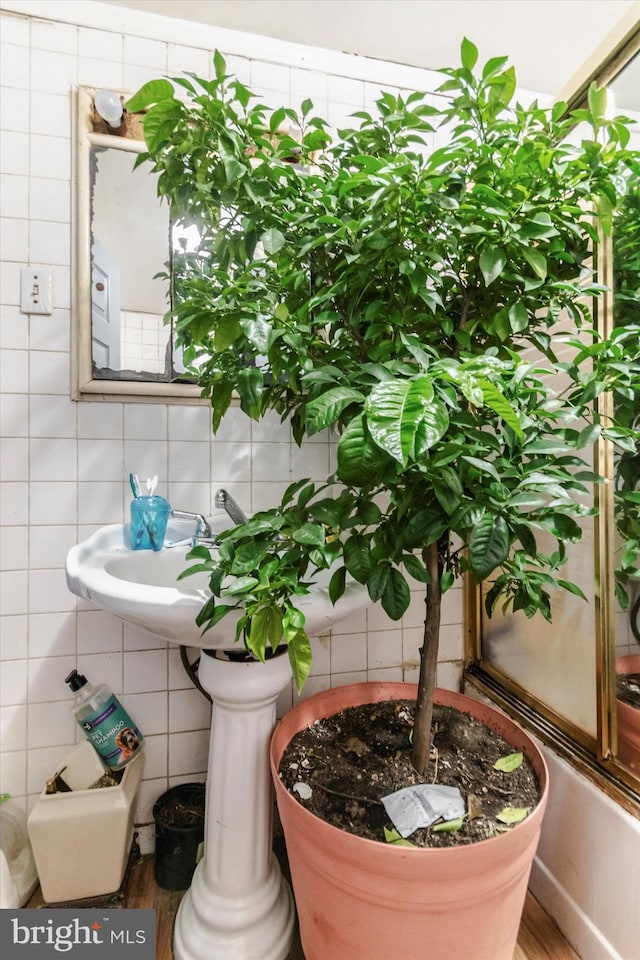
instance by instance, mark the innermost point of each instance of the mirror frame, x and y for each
(594, 758)
(84, 386)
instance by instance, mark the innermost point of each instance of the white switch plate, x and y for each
(36, 290)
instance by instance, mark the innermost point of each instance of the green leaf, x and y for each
(492, 66)
(197, 568)
(527, 539)
(310, 534)
(447, 580)
(605, 208)
(498, 325)
(300, 656)
(265, 628)
(337, 584)
(572, 588)
(233, 169)
(509, 763)
(213, 617)
(537, 261)
(160, 122)
(404, 418)
(359, 458)
(518, 317)
(276, 119)
(292, 621)
(368, 512)
(243, 95)
(326, 409)
(468, 54)
(503, 87)
(227, 332)
(152, 92)
(250, 384)
(488, 545)
(221, 395)
(415, 568)
(423, 526)
(394, 838)
(485, 466)
(597, 102)
(326, 511)
(492, 262)
(272, 240)
(448, 490)
(497, 402)
(377, 582)
(589, 435)
(513, 814)
(263, 523)
(219, 65)
(248, 556)
(396, 596)
(448, 826)
(199, 552)
(257, 331)
(470, 390)
(241, 585)
(357, 557)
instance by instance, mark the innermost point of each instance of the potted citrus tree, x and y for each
(409, 300)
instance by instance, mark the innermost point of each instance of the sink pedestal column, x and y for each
(238, 907)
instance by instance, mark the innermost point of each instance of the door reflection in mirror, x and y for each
(130, 237)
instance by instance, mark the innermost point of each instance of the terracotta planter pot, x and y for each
(628, 719)
(362, 900)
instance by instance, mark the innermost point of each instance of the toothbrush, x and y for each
(135, 490)
(136, 480)
(152, 483)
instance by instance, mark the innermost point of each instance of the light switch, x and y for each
(36, 290)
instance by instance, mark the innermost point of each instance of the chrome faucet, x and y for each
(202, 527)
(224, 501)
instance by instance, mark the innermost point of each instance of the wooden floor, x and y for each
(539, 937)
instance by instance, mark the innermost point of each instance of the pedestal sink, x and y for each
(238, 906)
(141, 587)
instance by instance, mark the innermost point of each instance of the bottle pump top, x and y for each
(75, 680)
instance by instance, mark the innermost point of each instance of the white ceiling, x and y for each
(546, 40)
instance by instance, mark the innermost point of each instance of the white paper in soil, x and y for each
(421, 805)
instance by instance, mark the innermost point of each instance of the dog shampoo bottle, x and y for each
(105, 722)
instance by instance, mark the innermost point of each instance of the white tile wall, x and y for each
(144, 340)
(63, 465)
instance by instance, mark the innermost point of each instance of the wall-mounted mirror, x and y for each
(123, 245)
(577, 680)
(625, 274)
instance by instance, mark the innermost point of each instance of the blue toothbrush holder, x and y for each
(149, 516)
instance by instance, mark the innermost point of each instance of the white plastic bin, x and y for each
(81, 839)
(18, 877)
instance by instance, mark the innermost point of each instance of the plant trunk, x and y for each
(421, 750)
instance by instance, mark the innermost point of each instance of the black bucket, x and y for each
(179, 819)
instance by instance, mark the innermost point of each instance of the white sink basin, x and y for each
(141, 587)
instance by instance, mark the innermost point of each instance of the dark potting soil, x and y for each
(354, 758)
(628, 689)
(181, 811)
